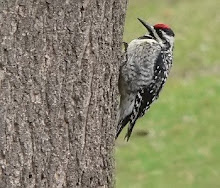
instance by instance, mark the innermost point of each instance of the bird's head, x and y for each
(160, 32)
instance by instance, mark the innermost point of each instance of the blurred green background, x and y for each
(177, 143)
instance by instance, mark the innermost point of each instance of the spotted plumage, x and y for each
(144, 70)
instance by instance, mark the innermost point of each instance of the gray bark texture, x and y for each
(59, 62)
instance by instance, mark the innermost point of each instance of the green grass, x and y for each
(177, 144)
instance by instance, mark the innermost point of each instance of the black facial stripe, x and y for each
(159, 32)
(167, 31)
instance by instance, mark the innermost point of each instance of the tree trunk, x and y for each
(59, 62)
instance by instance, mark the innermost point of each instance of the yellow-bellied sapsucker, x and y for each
(145, 66)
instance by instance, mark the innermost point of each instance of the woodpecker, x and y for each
(144, 69)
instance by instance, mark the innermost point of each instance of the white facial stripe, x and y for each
(169, 38)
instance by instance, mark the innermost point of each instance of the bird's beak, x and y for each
(148, 26)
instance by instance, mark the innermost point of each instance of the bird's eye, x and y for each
(160, 33)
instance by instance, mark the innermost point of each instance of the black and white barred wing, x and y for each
(136, 75)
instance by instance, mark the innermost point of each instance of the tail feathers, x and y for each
(130, 129)
(131, 119)
(121, 125)
(134, 112)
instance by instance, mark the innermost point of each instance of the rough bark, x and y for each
(58, 91)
